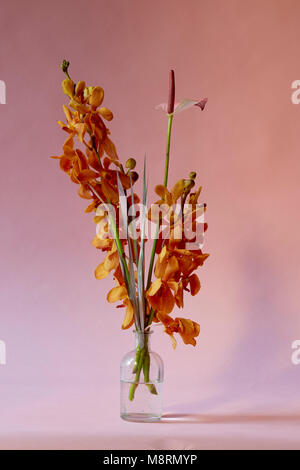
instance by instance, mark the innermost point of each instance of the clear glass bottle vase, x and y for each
(142, 375)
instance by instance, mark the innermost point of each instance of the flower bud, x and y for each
(130, 164)
(192, 175)
(134, 176)
(65, 65)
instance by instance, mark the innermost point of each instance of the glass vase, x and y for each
(142, 375)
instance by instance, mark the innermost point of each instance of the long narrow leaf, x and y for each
(131, 290)
(141, 263)
(134, 223)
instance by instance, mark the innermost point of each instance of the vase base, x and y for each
(141, 417)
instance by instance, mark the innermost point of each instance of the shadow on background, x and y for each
(229, 419)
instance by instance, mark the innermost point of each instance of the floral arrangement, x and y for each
(90, 159)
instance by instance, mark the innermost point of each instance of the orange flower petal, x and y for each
(111, 261)
(117, 293)
(129, 316)
(171, 268)
(79, 88)
(164, 194)
(155, 286)
(101, 243)
(106, 113)
(68, 113)
(101, 272)
(194, 284)
(188, 330)
(96, 97)
(109, 192)
(66, 163)
(82, 159)
(92, 206)
(110, 149)
(84, 192)
(87, 175)
(177, 190)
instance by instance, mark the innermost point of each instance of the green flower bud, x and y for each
(130, 164)
(64, 66)
(192, 175)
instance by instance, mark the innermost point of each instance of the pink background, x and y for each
(238, 388)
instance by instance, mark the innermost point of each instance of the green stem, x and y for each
(135, 384)
(170, 121)
(142, 361)
(151, 315)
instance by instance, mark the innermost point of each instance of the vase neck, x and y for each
(142, 338)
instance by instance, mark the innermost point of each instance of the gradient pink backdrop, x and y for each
(60, 387)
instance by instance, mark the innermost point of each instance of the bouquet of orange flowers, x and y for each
(121, 218)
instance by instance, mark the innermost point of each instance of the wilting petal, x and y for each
(101, 272)
(117, 293)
